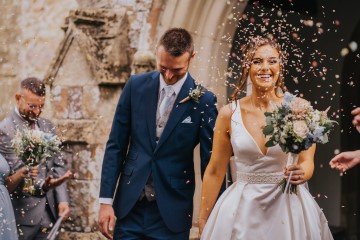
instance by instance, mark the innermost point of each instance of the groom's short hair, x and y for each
(34, 85)
(177, 41)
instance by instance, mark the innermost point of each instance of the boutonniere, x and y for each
(194, 94)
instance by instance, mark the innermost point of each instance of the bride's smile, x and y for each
(265, 67)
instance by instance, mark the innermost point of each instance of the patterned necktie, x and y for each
(168, 92)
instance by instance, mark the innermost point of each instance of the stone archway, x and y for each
(213, 24)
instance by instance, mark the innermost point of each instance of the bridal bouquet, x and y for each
(34, 147)
(295, 126)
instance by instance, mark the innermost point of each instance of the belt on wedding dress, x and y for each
(260, 178)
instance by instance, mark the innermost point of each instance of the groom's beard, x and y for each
(29, 116)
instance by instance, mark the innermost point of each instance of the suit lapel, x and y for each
(18, 122)
(177, 111)
(151, 95)
(43, 126)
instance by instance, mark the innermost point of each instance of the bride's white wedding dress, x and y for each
(254, 207)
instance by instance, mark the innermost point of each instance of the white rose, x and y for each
(300, 128)
(299, 106)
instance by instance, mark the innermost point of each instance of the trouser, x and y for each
(39, 231)
(145, 222)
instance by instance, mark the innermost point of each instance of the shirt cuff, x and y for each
(106, 201)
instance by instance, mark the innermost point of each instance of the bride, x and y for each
(254, 207)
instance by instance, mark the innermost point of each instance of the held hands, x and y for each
(345, 160)
(51, 182)
(202, 223)
(106, 220)
(297, 176)
(356, 120)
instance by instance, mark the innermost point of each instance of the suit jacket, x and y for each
(29, 209)
(132, 153)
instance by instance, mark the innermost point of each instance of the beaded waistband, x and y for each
(260, 178)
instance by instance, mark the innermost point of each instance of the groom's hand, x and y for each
(202, 223)
(106, 220)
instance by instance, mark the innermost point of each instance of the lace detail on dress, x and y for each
(259, 178)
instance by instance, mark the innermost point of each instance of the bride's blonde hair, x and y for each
(248, 54)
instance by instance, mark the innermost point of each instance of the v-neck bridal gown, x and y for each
(254, 207)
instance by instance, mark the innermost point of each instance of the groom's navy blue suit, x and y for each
(132, 152)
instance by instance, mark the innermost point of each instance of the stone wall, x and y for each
(30, 33)
(9, 52)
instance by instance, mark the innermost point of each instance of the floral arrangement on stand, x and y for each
(295, 125)
(34, 147)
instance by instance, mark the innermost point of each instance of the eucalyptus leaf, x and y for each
(268, 130)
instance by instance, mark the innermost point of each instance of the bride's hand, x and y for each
(297, 175)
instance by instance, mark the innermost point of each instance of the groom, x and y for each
(150, 148)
